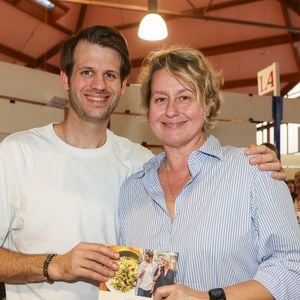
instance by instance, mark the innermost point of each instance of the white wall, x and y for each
(20, 116)
(18, 82)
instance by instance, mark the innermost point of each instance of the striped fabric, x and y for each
(232, 222)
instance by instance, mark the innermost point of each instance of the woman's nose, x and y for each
(172, 108)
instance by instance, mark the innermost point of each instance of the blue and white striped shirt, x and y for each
(232, 223)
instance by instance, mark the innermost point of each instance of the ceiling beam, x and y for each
(294, 5)
(81, 16)
(44, 57)
(37, 10)
(50, 68)
(289, 86)
(288, 21)
(212, 7)
(26, 59)
(110, 4)
(223, 5)
(240, 83)
(54, 50)
(238, 46)
(249, 44)
(208, 51)
(17, 55)
(44, 17)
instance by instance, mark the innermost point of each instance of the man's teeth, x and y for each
(97, 98)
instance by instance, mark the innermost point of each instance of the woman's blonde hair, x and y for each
(190, 66)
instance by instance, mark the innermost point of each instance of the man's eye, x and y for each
(87, 72)
(111, 76)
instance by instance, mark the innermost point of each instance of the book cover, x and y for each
(140, 272)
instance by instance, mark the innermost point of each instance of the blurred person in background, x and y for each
(291, 185)
(296, 198)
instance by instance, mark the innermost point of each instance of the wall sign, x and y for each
(268, 80)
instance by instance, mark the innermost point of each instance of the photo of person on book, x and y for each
(146, 271)
(139, 270)
(164, 275)
(234, 228)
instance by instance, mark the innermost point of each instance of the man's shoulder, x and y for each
(121, 139)
(20, 137)
(129, 147)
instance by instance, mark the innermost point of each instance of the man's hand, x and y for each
(87, 260)
(179, 292)
(266, 160)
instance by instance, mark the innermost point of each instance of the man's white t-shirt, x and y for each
(146, 281)
(53, 196)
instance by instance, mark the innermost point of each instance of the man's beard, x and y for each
(104, 117)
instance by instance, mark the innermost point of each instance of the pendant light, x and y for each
(46, 3)
(152, 26)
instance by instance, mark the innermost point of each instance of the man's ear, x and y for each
(65, 80)
(123, 86)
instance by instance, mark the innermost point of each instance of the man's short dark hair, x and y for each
(104, 36)
(149, 253)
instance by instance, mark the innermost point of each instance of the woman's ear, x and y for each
(65, 80)
(208, 107)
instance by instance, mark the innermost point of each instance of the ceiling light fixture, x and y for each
(152, 26)
(46, 3)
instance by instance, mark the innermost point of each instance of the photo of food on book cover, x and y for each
(141, 272)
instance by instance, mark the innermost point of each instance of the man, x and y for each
(59, 184)
(145, 275)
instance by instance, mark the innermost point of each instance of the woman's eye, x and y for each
(160, 100)
(184, 99)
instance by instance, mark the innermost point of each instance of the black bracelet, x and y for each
(45, 267)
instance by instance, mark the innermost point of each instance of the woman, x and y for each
(165, 275)
(233, 227)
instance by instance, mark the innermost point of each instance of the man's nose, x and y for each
(98, 82)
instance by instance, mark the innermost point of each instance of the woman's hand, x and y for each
(179, 292)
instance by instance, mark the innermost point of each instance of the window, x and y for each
(289, 133)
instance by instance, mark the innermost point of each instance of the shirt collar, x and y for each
(211, 148)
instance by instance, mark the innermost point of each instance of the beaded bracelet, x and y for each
(45, 267)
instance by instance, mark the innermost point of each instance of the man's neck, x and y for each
(82, 135)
